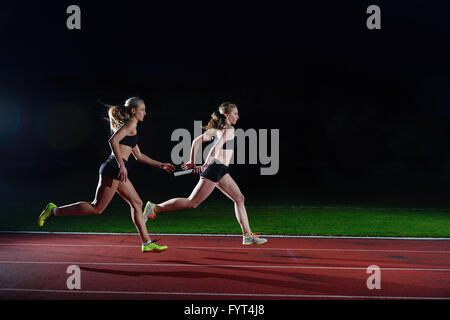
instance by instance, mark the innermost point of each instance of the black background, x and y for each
(363, 114)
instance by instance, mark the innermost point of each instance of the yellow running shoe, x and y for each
(46, 214)
(153, 247)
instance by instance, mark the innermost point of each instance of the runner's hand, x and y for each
(187, 165)
(200, 169)
(123, 174)
(169, 167)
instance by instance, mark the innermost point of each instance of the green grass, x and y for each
(272, 210)
(214, 217)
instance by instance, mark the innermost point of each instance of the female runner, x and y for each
(114, 172)
(214, 172)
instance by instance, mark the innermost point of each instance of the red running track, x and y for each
(34, 266)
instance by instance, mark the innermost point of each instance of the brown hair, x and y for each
(218, 117)
(120, 114)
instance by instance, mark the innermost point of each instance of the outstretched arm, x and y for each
(169, 167)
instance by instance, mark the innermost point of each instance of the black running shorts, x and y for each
(110, 168)
(215, 171)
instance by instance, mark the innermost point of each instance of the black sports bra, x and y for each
(130, 141)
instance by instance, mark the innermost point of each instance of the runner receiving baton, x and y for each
(214, 172)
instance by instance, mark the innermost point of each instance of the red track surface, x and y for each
(34, 266)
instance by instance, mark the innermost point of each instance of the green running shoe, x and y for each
(153, 247)
(148, 211)
(46, 214)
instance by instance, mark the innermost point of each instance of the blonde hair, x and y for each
(120, 114)
(218, 118)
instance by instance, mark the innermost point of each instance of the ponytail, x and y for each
(217, 121)
(120, 114)
(218, 117)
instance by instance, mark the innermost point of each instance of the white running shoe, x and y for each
(148, 211)
(253, 239)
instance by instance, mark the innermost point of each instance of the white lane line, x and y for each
(187, 265)
(226, 294)
(226, 235)
(319, 249)
(224, 248)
